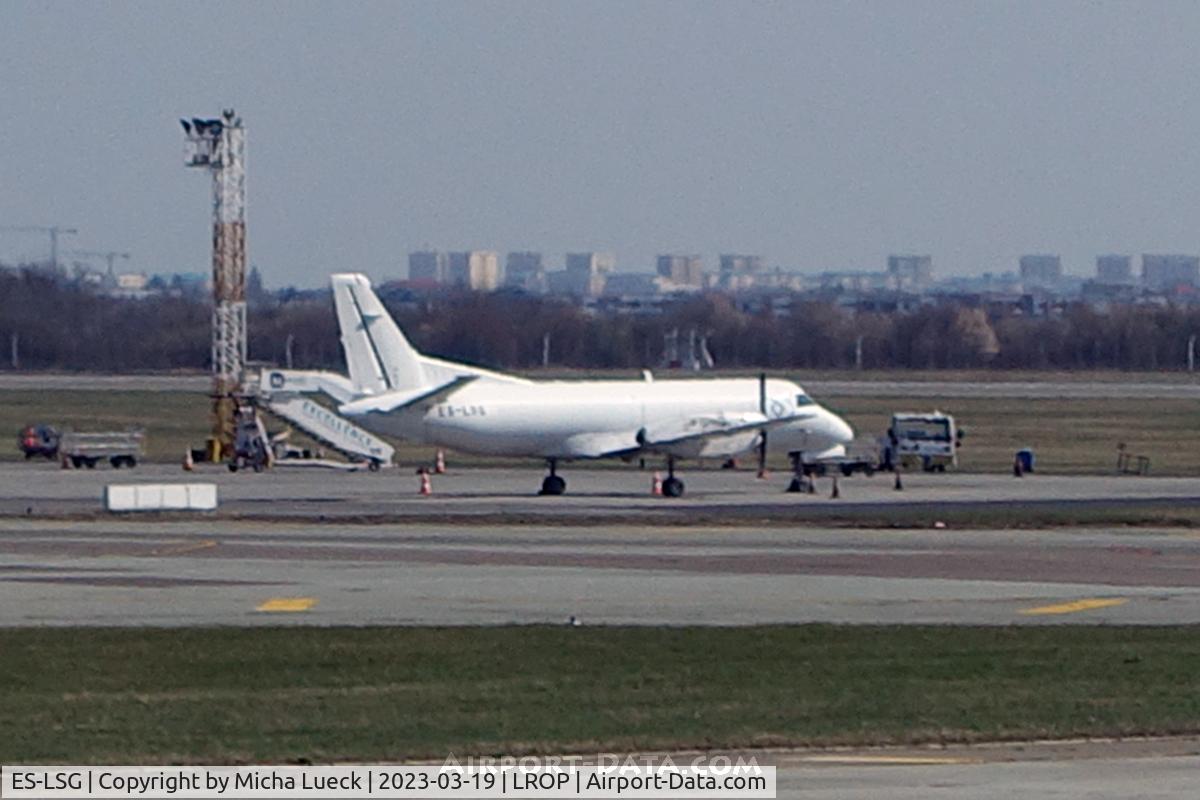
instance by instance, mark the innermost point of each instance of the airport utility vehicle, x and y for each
(75, 449)
(929, 441)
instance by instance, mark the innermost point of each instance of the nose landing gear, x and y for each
(802, 480)
(553, 485)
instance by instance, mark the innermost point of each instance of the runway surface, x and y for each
(1132, 388)
(319, 547)
(604, 496)
(323, 548)
(1069, 770)
(199, 573)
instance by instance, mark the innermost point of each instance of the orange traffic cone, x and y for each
(426, 484)
(188, 464)
(439, 464)
(656, 485)
(763, 474)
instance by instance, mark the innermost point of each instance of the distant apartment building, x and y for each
(477, 270)
(132, 281)
(635, 284)
(591, 263)
(587, 273)
(428, 266)
(853, 281)
(1114, 269)
(738, 271)
(131, 286)
(1169, 271)
(682, 270)
(1041, 270)
(525, 271)
(908, 272)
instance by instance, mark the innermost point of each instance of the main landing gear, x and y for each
(553, 485)
(672, 486)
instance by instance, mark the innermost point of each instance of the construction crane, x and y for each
(219, 146)
(108, 255)
(53, 230)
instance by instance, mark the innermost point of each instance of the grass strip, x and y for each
(295, 694)
(1069, 436)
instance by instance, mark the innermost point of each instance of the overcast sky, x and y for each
(821, 135)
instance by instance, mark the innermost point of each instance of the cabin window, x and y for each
(803, 400)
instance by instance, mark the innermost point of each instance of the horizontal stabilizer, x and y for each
(399, 402)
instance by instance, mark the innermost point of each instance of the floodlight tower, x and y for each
(219, 145)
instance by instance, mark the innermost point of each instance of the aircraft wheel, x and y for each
(672, 487)
(553, 485)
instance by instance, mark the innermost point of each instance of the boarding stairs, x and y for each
(284, 394)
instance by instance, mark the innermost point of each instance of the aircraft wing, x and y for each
(676, 436)
(603, 445)
(700, 429)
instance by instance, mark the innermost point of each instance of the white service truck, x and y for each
(929, 441)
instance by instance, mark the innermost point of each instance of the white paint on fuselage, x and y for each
(553, 419)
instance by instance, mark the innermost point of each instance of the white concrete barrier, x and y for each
(160, 496)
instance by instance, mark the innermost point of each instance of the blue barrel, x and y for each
(1025, 459)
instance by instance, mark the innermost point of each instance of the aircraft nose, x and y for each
(840, 429)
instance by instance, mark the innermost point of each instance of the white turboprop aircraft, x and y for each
(400, 392)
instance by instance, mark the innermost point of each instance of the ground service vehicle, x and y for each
(930, 441)
(119, 448)
(38, 440)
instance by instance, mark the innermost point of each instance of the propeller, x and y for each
(762, 436)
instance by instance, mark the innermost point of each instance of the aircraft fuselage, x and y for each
(580, 419)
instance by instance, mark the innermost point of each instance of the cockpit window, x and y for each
(803, 400)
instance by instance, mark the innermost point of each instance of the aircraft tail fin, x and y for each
(378, 356)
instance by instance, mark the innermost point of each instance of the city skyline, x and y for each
(821, 136)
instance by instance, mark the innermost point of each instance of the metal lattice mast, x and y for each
(219, 145)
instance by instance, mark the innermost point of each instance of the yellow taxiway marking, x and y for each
(1077, 605)
(901, 760)
(287, 604)
(180, 549)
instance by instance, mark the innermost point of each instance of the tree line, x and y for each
(58, 324)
